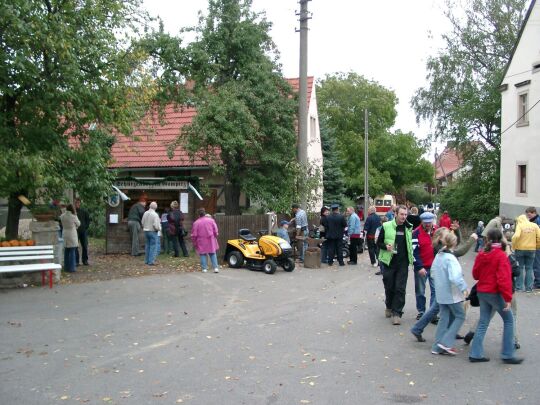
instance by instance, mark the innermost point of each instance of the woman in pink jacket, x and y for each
(204, 233)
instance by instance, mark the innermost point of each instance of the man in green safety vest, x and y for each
(395, 255)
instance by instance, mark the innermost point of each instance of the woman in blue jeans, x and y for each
(493, 272)
(451, 292)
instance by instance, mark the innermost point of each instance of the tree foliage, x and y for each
(395, 158)
(244, 127)
(69, 79)
(333, 181)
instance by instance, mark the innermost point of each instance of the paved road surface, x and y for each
(314, 336)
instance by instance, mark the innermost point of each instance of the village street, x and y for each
(314, 336)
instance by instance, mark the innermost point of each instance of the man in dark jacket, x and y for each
(135, 215)
(82, 233)
(373, 221)
(335, 225)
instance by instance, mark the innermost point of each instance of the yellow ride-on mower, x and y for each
(265, 254)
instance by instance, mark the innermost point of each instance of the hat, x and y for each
(334, 206)
(427, 217)
(283, 222)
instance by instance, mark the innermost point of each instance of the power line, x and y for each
(519, 119)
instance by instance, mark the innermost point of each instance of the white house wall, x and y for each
(314, 153)
(520, 145)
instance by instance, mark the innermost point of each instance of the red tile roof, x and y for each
(148, 145)
(447, 162)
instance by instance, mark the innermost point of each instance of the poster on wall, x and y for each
(184, 200)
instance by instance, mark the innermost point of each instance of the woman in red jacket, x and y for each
(494, 274)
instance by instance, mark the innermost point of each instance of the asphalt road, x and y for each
(314, 336)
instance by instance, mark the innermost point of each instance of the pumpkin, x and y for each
(14, 243)
(5, 244)
(22, 243)
(30, 242)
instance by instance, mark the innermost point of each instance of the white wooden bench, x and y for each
(29, 258)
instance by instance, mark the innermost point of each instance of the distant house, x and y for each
(447, 165)
(520, 113)
(144, 167)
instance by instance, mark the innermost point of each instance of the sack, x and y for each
(473, 297)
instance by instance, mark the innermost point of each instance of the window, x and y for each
(522, 179)
(523, 106)
(313, 128)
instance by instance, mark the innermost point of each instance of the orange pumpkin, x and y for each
(30, 242)
(14, 243)
(22, 243)
(5, 244)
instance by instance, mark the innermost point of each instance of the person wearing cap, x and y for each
(395, 256)
(301, 221)
(135, 215)
(335, 225)
(423, 258)
(283, 230)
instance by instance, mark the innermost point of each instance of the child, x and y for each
(451, 292)
(283, 230)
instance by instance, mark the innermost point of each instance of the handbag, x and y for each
(473, 297)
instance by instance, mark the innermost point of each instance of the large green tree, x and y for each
(395, 158)
(244, 127)
(462, 99)
(69, 79)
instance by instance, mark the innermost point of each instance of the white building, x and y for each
(520, 142)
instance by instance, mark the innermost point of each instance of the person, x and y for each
(335, 225)
(360, 211)
(494, 223)
(325, 211)
(480, 240)
(525, 242)
(423, 258)
(82, 233)
(413, 218)
(283, 230)
(431, 314)
(176, 229)
(167, 240)
(70, 223)
(354, 232)
(151, 225)
(390, 214)
(396, 254)
(301, 222)
(135, 215)
(533, 217)
(492, 271)
(451, 292)
(204, 233)
(373, 222)
(445, 220)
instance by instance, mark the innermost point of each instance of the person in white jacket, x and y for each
(451, 292)
(151, 225)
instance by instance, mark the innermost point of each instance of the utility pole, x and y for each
(366, 163)
(304, 16)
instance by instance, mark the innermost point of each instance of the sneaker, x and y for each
(396, 320)
(387, 313)
(419, 315)
(433, 351)
(374, 264)
(378, 273)
(449, 350)
(216, 270)
(478, 360)
(468, 338)
(204, 270)
(418, 336)
(513, 360)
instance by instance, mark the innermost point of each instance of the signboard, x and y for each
(165, 185)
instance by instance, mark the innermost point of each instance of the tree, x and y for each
(244, 127)
(69, 79)
(333, 182)
(462, 99)
(395, 159)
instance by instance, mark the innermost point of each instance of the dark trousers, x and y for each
(69, 259)
(395, 285)
(353, 249)
(83, 240)
(334, 248)
(179, 240)
(372, 250)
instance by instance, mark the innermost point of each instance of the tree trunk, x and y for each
(14, 214)
(232, 199)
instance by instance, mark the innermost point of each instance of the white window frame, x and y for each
(522, 113)
(519, 191)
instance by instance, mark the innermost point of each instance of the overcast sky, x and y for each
(384, 40)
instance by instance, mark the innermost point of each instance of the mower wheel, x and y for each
(288, 265)
(345, 252)
(235, 259)
(269, 266)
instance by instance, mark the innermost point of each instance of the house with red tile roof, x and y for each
(447, 166)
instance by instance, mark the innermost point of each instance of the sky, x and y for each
(387, 41)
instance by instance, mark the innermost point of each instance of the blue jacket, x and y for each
(373, 221)
(448, 278)
(353, 224)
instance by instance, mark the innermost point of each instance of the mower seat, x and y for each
(246, 235)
